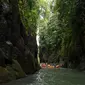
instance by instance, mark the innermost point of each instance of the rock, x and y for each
(4, 75)
(14, 44)
(11, 73)
(18, 70)
(37, 66)
(27, 63)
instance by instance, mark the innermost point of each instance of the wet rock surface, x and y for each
(16, 57)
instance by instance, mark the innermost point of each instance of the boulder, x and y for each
(4, 75)
(18, 70)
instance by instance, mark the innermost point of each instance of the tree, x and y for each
(64, 31)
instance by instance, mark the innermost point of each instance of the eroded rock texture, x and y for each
(14, 43)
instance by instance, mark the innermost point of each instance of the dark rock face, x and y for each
(14, 43)
(11, 72)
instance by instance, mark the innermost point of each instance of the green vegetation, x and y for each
(62, 37)
(29, 14)
(60, 29)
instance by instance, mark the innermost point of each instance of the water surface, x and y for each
(52, 77)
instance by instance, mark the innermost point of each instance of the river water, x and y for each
(52, 77)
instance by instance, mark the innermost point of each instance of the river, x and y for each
(52, 77)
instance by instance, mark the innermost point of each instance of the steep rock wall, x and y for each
(14, 41)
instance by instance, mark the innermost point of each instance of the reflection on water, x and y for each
(52, 77)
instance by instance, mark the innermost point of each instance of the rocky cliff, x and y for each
(17, 57)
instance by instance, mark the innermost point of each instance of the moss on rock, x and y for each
(18, 70)
(11, 72)
(3, 74)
